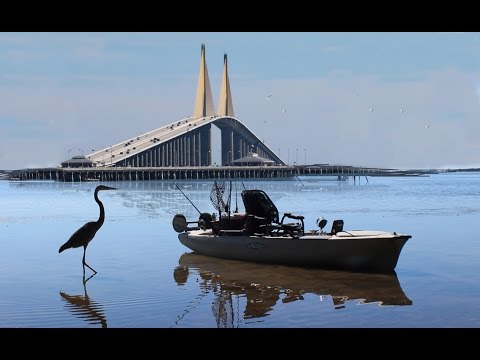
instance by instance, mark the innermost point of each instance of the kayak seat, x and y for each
(263, 217)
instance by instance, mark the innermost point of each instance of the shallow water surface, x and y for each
(146, 278)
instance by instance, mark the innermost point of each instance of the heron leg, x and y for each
(85, 282)
(84, 263)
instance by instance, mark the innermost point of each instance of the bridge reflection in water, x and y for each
(263, 285)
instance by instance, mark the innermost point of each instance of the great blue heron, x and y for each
(85, 234)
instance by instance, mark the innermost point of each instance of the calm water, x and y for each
(146, 278)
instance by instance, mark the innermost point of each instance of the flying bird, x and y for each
(86, 233)
(268, 97)
(371, 109)
(284, 110)
(427, 126)
(401, 111)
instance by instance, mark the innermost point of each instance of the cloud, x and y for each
(332, 49)
(58, 118)
(477, 87)
(327, 118)
(20, 49)
(16, 39)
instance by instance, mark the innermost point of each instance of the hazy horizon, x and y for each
(399, 100)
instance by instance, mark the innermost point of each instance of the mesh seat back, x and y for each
(258, 203)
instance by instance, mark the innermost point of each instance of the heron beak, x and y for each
(110, 188)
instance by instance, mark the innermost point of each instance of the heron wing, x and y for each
(82, 236)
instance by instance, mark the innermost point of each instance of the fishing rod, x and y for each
(229, 198)
(299, 180)
(187, 198)
(236, 199)
(202, 217)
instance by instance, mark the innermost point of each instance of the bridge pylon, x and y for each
(225, 103)
(204, 100)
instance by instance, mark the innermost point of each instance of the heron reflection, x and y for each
(85, 308)
(264, 285)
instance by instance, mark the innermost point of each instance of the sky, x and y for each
(396, 100)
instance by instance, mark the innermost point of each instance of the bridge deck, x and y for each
(140, 143)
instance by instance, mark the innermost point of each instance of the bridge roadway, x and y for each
(135, 145)
(144, 141)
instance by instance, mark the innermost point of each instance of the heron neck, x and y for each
(101, 218)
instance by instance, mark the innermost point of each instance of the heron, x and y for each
(86, 233)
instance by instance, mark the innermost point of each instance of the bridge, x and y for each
(183, 150)
(188, 142)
